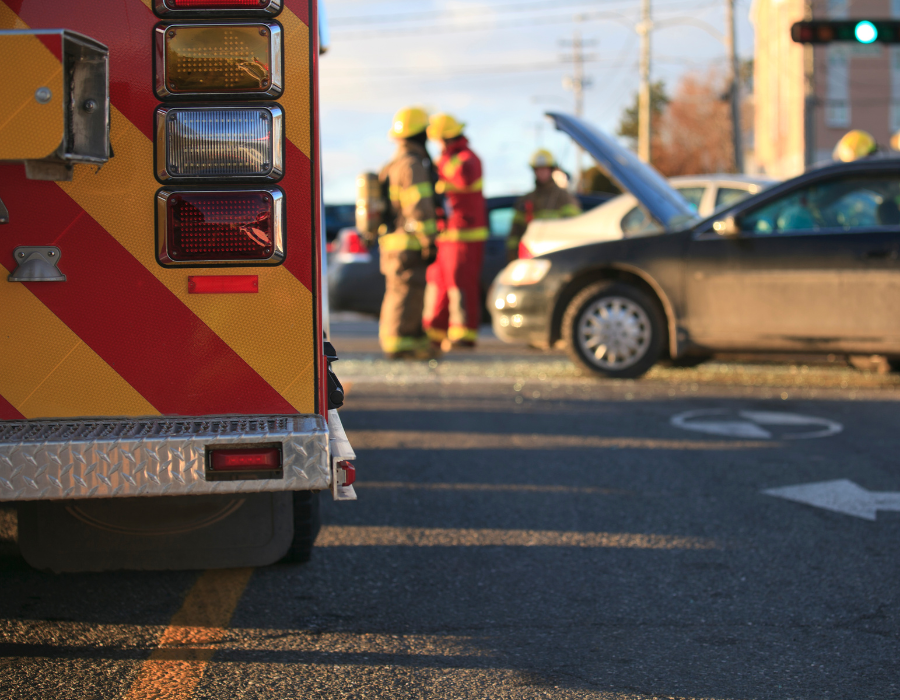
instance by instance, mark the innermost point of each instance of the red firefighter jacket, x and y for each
(459, 180)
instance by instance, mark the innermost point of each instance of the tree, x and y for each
(628, 124)
(694, 132)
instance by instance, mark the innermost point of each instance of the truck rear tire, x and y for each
(307, 521)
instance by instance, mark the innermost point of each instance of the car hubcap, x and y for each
(614, 332)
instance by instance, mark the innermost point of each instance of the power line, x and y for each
(461, 12)
(433, 29)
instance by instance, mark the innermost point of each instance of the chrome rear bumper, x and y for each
(103, 458)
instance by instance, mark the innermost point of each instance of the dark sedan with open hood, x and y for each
(811, 265)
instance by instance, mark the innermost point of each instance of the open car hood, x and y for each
(664, 203)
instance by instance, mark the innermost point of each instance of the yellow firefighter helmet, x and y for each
(409, 121)
(895, 141)
(444, 126)
(542, 158)
(854, 145)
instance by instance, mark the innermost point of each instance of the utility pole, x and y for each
(809, 96)
(577, 83)
(735, 91)
(644, 28)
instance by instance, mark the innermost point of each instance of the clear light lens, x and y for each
(212, 59)
(216, 143)
(521, 272)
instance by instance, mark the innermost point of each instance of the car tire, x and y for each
(307, 521)
(614, 307)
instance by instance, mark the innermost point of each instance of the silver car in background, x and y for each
(625, 217)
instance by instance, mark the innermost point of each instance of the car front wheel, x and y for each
(614, 330)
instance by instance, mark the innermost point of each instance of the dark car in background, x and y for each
(337, 217)
(355, 282)
(811, 265)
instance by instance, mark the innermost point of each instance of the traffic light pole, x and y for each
(809, 97)
(731, 48)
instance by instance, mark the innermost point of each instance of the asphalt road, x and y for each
(526, 532)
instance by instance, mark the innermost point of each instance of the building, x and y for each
(852, 86)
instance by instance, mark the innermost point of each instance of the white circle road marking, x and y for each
(756, 424)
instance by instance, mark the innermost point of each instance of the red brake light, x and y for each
(223, 227)
(351, 242)
(524, 253)
(244, 459)
(216, 4)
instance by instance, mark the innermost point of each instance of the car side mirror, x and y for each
(726, 227)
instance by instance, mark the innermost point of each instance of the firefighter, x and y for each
(854, 145)
(453, 292)
(407, 246)
(547, 201)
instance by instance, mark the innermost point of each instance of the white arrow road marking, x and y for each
(840, 496)
(750, 424)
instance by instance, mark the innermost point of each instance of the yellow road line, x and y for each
(438, 440)
(385, 536)
(62, 376)
(174, 670)
(533, 488)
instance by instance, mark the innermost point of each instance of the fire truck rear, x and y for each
(166, 399)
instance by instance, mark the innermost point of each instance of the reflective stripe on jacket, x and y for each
(459, 180)
(547, 201)
(412, 199)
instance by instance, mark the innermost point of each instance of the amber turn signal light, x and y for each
(222, 61)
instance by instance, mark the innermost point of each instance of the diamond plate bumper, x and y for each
(97, 458)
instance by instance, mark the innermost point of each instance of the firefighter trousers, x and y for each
(453, 294)
(400, 325)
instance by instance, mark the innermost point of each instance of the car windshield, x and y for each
(839, 204)
(500, 221)
(693, 195)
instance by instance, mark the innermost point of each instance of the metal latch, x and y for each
(37, 263)
(4, 213)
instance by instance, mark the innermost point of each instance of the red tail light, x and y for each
(220, 227)
(352, 242)
(524, 252)
(244, 459)
(214, 4)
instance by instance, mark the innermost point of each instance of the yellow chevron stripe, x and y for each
(270, 330)
(297, 111)
(63, 377)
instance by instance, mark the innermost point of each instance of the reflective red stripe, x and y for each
(8, 411)
(125, 315)
(296, 182)
(299, 8)
(54, 43)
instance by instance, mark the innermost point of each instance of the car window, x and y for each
(693, 195)
(638, 222)
(500, 221)
(841, 204)
(729, 195)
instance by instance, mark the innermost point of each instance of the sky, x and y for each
(496, 65)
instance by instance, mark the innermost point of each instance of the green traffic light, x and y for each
(865, 32)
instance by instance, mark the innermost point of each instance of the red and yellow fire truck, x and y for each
(166, 399)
